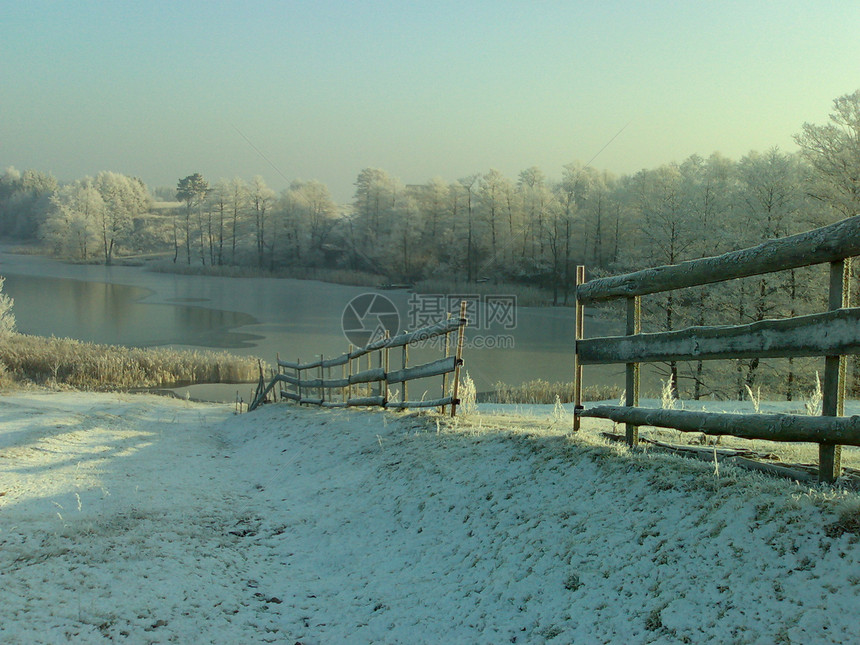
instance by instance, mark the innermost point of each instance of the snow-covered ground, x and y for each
(141, 519)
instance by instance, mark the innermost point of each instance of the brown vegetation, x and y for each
(62, 361)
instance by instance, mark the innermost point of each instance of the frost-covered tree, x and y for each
(218, 202)
(25, 201)
(309, 216)
(595, 211)
(469, 183)
(320, 210)
(768, 199)
(432, 200)
(566, 193)
(576, 195)
(833, 150)
(124, 199)
(260, 198)
(408, 256)
(376, 195)
(535, 196)
(238, 202)
(492, 190)
(72, 228)
(192, 190)
(7, 318)
(559, 233)
(707, 197)
(668, 236)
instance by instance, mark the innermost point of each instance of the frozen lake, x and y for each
(264, 317)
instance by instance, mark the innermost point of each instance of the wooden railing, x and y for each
(370, 386)
(832, 335)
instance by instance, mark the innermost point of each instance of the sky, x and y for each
(319, 90)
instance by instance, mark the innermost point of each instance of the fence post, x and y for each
(830, 455)
(631, 395)
(299, 379)
(261, 386)
(349, 376)
(380, 361)
(272, 382)
(459, 358)
(446, 350)
(580, 332)
(385, 365)
(322, 376)
(843, 360)
(404, 388)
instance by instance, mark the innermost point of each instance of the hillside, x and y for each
(144, 519)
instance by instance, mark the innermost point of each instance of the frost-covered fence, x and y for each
(313, 383)
(832, 335)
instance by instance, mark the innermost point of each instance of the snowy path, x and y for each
(141, 519)
(119, 517)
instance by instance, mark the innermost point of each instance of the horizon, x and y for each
(292, 91)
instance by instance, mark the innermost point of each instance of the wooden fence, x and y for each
(370, 386)
(832, 335)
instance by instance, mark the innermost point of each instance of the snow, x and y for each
(143, 519)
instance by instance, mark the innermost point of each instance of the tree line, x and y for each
(528, 229)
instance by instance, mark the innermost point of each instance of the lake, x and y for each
(267, 316)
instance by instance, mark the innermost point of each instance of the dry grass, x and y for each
(785, 451)
(544, 392)
(62, 361)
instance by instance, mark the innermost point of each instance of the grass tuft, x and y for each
(467, 395)
(540, 391)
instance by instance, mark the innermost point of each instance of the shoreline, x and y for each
(160, 263)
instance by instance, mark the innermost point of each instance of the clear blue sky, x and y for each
(321, 89)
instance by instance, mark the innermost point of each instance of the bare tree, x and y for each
(468, 184)
(192, 190)
(261, 198)
(535, 196)
(238, 201)
(669, 236)
(220, 203)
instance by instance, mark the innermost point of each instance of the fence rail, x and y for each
(832, 335)
(770, 427)
(819, 246)
(357, 387)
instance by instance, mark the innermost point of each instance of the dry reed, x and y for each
(89, 366)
